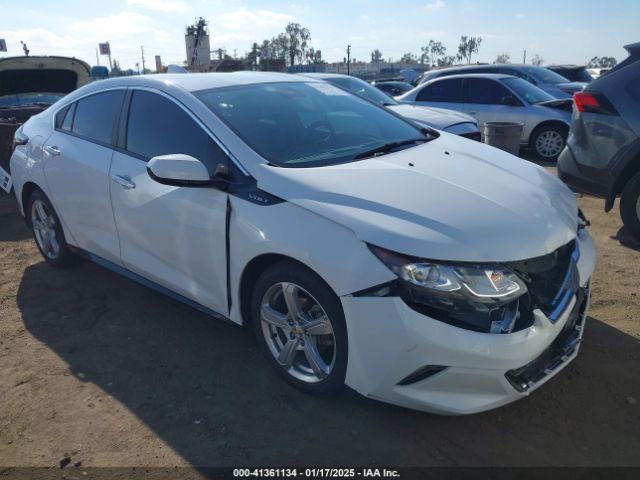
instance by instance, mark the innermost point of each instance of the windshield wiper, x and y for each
(388, 147)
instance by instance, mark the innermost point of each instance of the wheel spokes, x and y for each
(315, 360)
(320, 326)
(275, 318)
(288, 353)
(292, 298)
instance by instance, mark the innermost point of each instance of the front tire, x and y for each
(630, 206)
(548, 141)
(47, 231)
(299, 324)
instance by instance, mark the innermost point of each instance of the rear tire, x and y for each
(630, 205)
(47, 231)
(548, 141)
(308, 349)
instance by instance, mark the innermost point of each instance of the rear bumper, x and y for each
(593, 181)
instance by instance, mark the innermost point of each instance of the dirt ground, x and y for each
(111, 373)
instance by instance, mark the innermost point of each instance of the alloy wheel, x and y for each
(298, 332)
(44, 228)
(549, 144)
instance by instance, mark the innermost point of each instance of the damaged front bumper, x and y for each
(403, 357)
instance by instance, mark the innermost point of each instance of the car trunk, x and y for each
(28, 75)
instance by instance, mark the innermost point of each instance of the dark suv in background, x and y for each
(602, 156)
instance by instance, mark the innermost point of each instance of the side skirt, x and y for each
(147, 283)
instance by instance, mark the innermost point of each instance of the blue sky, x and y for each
(565, 31)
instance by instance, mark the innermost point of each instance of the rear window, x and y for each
(95, 115)
(442, 91)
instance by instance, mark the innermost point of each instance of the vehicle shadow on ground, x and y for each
(202, 386)
(626, 239)
(12, 226)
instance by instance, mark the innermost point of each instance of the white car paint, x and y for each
(448, 199)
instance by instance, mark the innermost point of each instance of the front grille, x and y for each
(473, 136)
(565, 344)
(552, 279)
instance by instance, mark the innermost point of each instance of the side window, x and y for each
(60, 116)
(157, 126)
(449, 90)
(95, 115)
(67, 123)
(481, 90)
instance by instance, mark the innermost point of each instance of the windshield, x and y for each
(526, 90)
(22, 99)
(363, 89)
(545, 75)
(306, 124)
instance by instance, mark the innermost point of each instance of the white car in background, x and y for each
(490, 97)
(418, 268)
(446, 120)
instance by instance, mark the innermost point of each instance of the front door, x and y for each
(174, 236)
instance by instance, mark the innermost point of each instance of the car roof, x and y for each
(492, 76)
(200, 81)
(570, 67)
(324, 76)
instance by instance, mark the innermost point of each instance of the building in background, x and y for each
(198, 47)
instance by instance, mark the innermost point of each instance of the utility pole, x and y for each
(524, 57)
(142, 50)
(348, 59)
(97, 58)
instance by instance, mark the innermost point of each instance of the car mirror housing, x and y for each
(179, 170)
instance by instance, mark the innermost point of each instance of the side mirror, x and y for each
(510, 101)
(178, 170)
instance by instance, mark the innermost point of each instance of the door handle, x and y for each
(52, 150)
(124, 182)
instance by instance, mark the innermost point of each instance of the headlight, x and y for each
(482, 297)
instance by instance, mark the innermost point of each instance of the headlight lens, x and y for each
(481, 297)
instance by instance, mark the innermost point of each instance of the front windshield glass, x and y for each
(529, 92)
(21, 99)
(545, 75)
(362, 88)
(299, 124)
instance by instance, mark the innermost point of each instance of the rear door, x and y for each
(445, 93)
(76, 166)
(174, 236)
(485, 101)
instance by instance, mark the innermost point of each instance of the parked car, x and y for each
(574, 73)
(445, 120)
(603, 149)
(416, 267)
(391, 88)
(29, 85)
(555, 85)
(501, 98)
(596, 72)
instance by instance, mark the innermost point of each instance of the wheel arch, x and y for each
(627, 173)
(546, 123)
(27, 189)
(252, 271)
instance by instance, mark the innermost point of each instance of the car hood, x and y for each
(443, 200)
(436, 117)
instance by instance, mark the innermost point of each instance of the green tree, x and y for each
(537, 60)
(298, 38)
(503, 58)
(468, 46)
(432, 52)
(602, 62)
(376, 56)
(116, 71)
(446, 61)
(408, 58)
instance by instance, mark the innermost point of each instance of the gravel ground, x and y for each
(110, 373)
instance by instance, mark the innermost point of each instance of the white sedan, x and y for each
(416, 267)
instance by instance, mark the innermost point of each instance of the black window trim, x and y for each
(120, 144)
(73, 104)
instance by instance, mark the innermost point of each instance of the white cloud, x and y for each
(249, 20)
(438, 4)
(117, 24)
(161, 5)
(364, 18)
